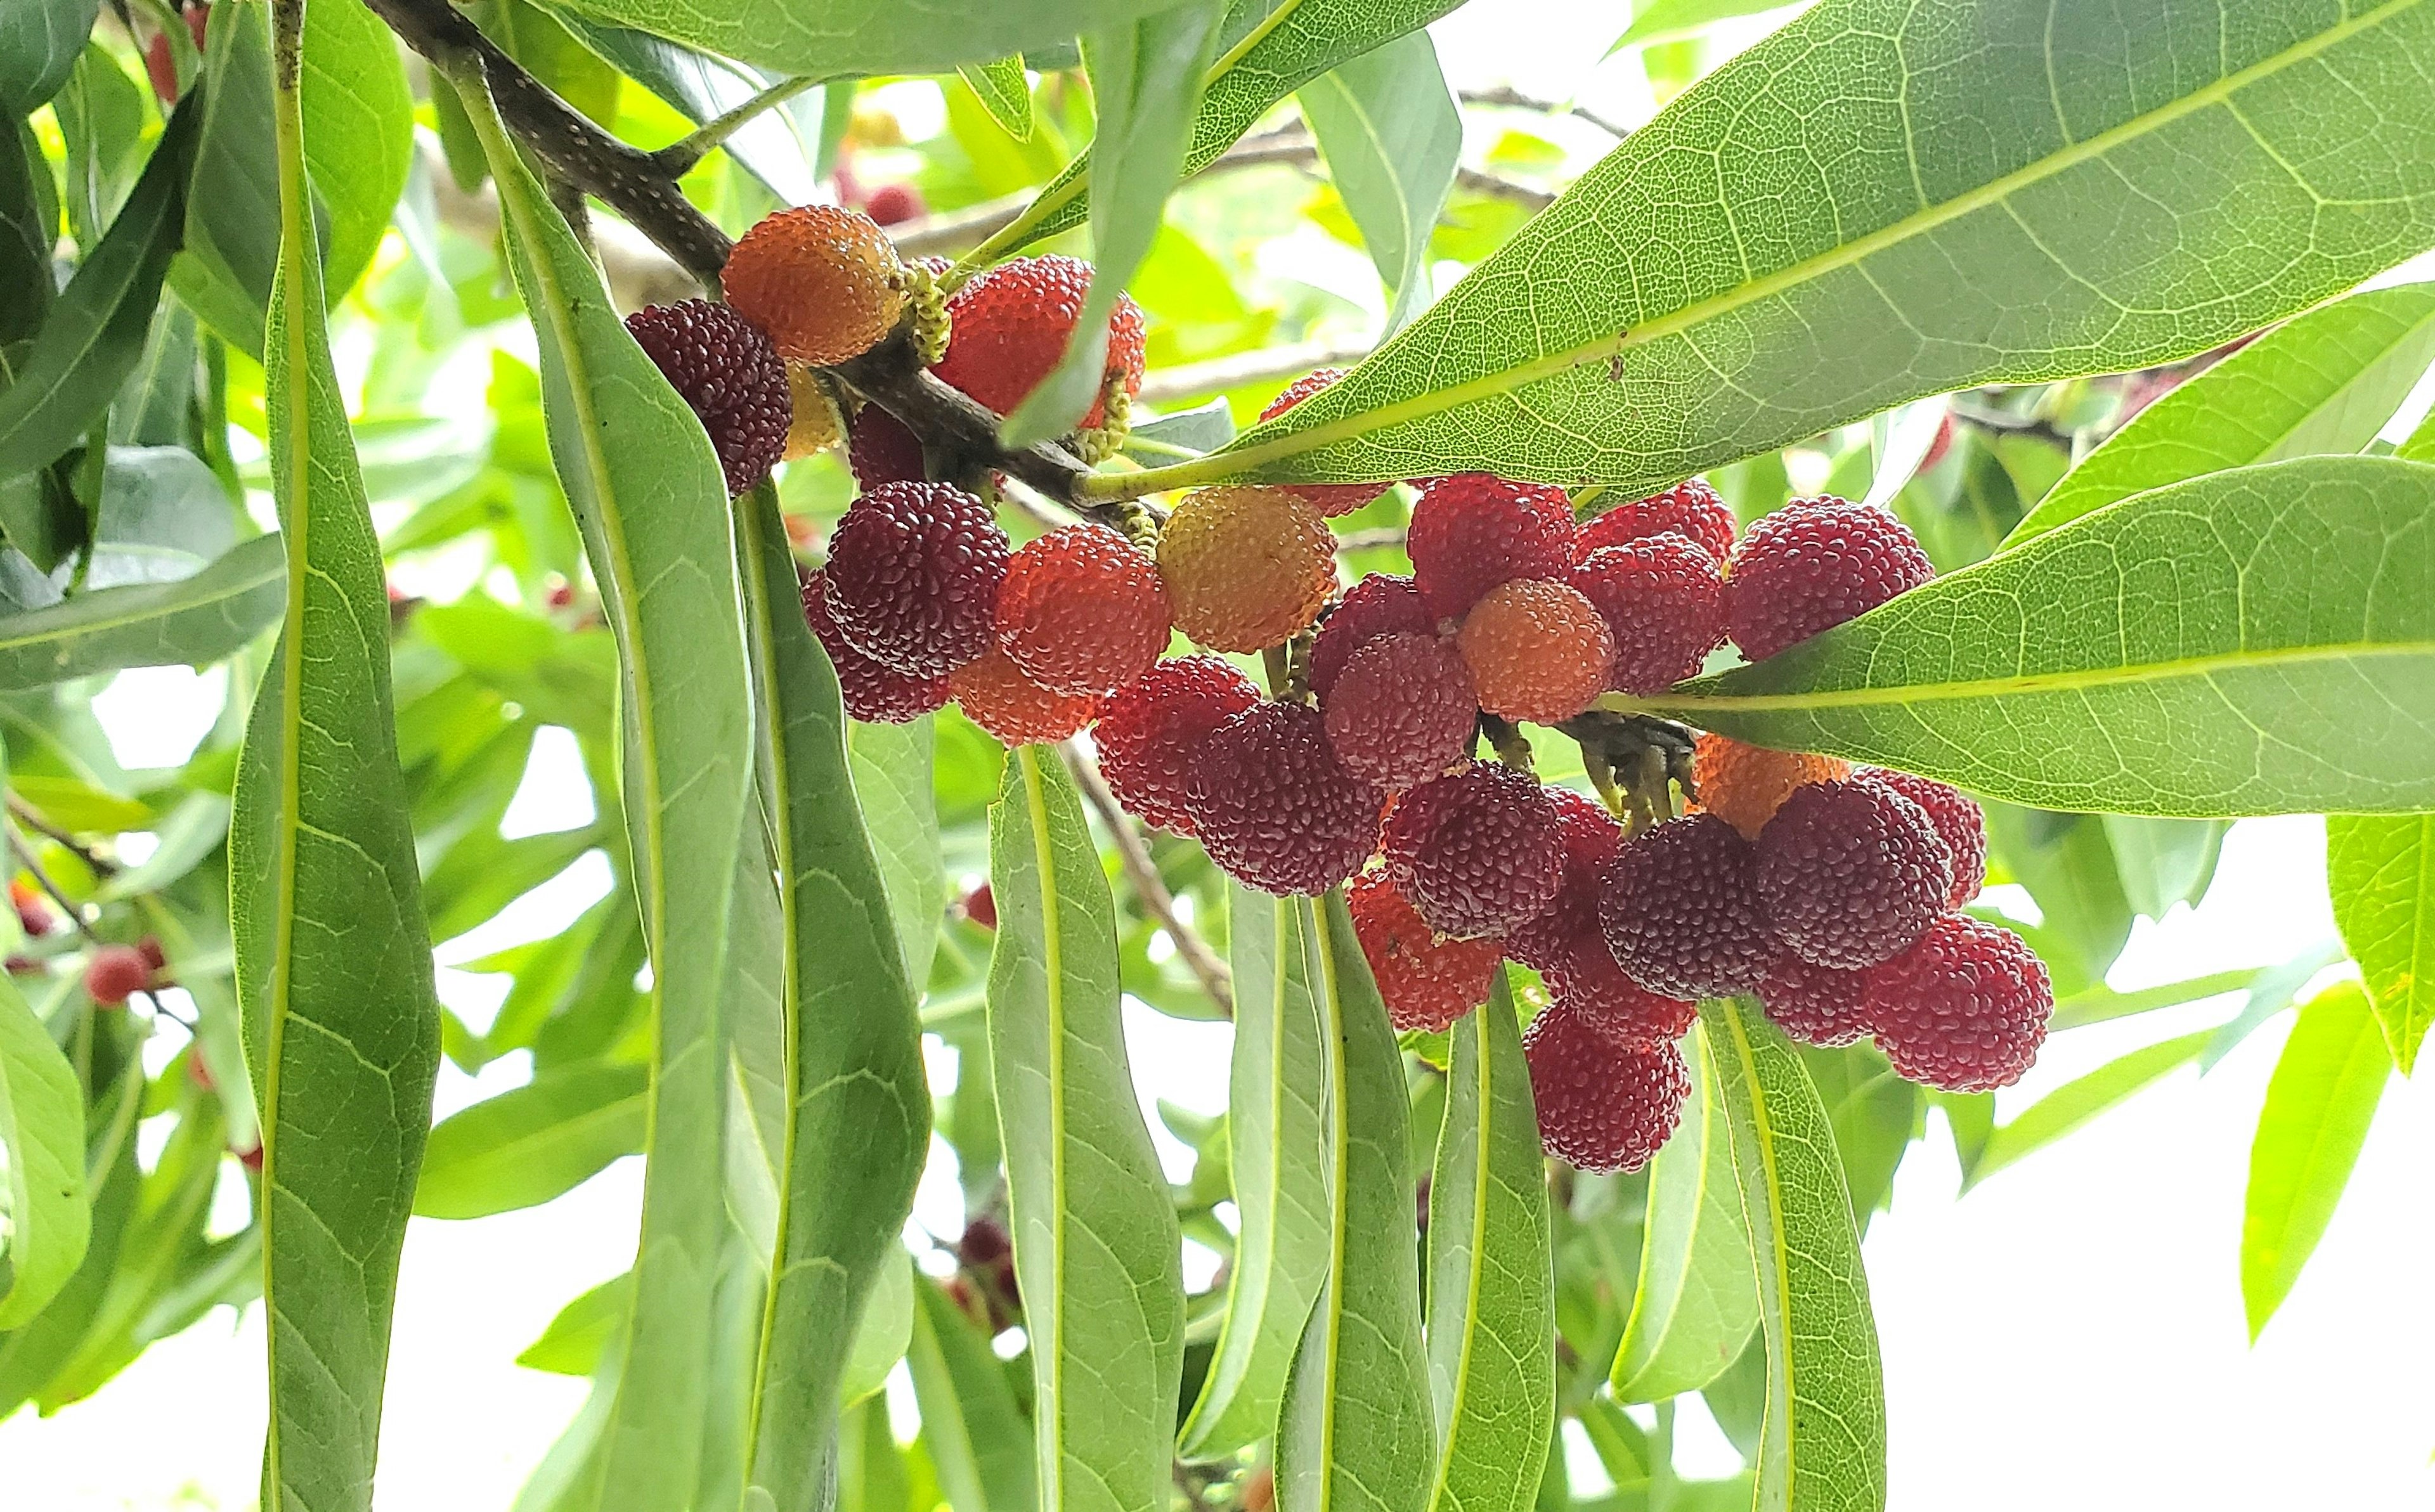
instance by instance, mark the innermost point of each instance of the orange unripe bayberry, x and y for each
(824, 281)
(1537, 649)
(1245, 566)
(995, 694)
(1745, 784)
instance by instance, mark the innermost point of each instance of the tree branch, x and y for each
(1515, 99)
(1191, 380)
(1215, 978)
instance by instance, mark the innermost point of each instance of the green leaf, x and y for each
(2067, 861)
(770, 147)
(1696, 1306)
(2325, 384)
(2319, 1104)
(1145, 78)
(893, 781)
(42, 1132)
(857, 1102)
(533, 1143)
(101, 119)
(652, 505)
(2176, 653)
(867, 36)
(1004, 92)
(1095, 1242)
(1987, 203)
(1393, 137)
(39, 42)
(572, 1343)
(192, 622)
(28, 232)
(1492, 1330)
(2164, 861)
(334, 970)
(1822, 1439)
(1674, 20)
(1358, 1428)
(2382, 875)
(359, 132)
(2076, 1102)
(1277, 1127)
(95, 334)
(975, 1431)
(2098, 1005)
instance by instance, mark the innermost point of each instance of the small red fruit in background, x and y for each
(892, 204)
(1426, 979)
(1008, 330)
(1083, 610)
(115, 973)
(1147, 732)
(824, 281)
(161, 60)
(1330, 499)
(980, 906)
(34, 916)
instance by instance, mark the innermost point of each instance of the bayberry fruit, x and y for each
(1617, 1006)
(115, 974)
(1964, 1010)
(1604, 1103)
(1744, 784)
(995, 694)
(1083, 610)
(1008, 327)
(914, 569)
(980, 906)
(822, 281)
(1664, 601)
(894, 203)
(1402, 712)
(1588, 837)
(1690, 509)
(1147, 732)
(880, 450)
(1681, 910)
(1958, 818)
(874, 694)
(1245, 566)
(33, 915)
(1537, 650)
(1816, 1004)
(1330, 499)
(1380, 604)
(815, 424)
(729, 375)
(1274, 806)
(1471, 532)
(1427, 980)
(1851, 872)
(1814, 564)
(1477, 852)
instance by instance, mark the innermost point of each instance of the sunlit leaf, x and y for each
(532, 1142)
(2319, 1104)
(2382, 874)
(42, 1131)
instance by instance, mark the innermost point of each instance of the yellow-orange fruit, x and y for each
(1744, 786)
(1538, 650)
(1245, 566)
(821, 280)
(817, 425)
(997, 697)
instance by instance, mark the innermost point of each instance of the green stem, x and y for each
(680, 155)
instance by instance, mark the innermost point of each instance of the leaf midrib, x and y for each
(1052, 963)
(219, 594)
(1340, 1140)
(1483, 1120)
(1708, 1134)
(1763, 1132)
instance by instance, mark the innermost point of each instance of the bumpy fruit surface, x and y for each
(1380, 604)
(1147, 732)
(1274, 807)
(1619, 1007)
(1744, 786)
(1964, 1010)
(995, 694)
(1083, 610)
(1588, 837)
(1330, 499)
(1813, 564)
(1958, 820)
(1690, 509)
(875, 694)
(1681, 910)
(1604, 1103)
(880, 450)
(1471, 532)
(1538, 650)
(1008, 328)
(729, 375)
(1816, 1004)
(1850, 873)
(821, 280)
(1477, 852)
(1245, 566)
(815, 424)
(115, 974)
(1664, 601)
(1402, 712)
(914, 569)
(892, 203)
(1428, 980)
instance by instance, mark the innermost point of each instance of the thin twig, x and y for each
(1216, 979)
(1241, 370)
(678, 158)
(26, 814)
(1378, 540)
(25, 858)
(1513, 98)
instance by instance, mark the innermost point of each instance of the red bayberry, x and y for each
(1959, 821)
(1402, 712)
(1851, 872)
(1681, 910)
(821, 280)
(1816, 1004)
(33, 915)
(1427, 980)
(914, 569)
(980, 906)
(729, 375)
(1689, 510)
(1330, 499)
(995, 694)
(1615, 1005)
(1813, 564)
(1380, 604)
(894, 203)
(1663, 601)
(115, 973)
(880, 449)
(1147, 732)
(1245, 566)
(1471, 532)
(1745, 784)
(1588, 837)
(1964, 1010)
(1537, 650)
(1008, 327)
(874, 694)
(1604, 1103)
(1274, 806)
(1477, 852)
(1082, 611)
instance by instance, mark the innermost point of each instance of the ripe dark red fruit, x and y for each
(1588, 837)
(1272, 805)
(1604, 1103)
(1958, 818)
(980, 906)
(1329, 499)
(823, 281)
(1616, 1005)
(1538, 650)
(995, 694)
(1083, 610)
(115, 973)
(1477, 852)
(1964, 1010)
(1427, 980)
(1816, 1004)
(880, 449)
(1147, 732)
(1681, 910)
(1471, 532)
(1008, 327)
(1850, 873)
(1690, 510)
(1402, 712)
(914, 569)
(1664, 601)
(729, 375)
(1380, 604)
(1813, 564)
(874, 694)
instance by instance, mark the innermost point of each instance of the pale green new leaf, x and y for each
(1696, 1307)
(532, 1142)
(2381, 871)
(1004, 92)
(1492, 1323)
(1096, 1241)
(1357, 1432)
(2076, 1102)
(830, 38)
(42, 1147)
(651, 504)
(333, 967)
(975, 1431)
(891, 780)
(2325, 384)
(1276, 1128)
(190, 622)
(2319, 1104)
(1823, 1434)
(1393, 136)
(2260, 641)
(1673, 20)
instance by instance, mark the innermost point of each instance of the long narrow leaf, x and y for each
(2381, 870)
(191, 621)
(1393, 136)
(42, 1130)
(2319, 1104)
(2076, 1102)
